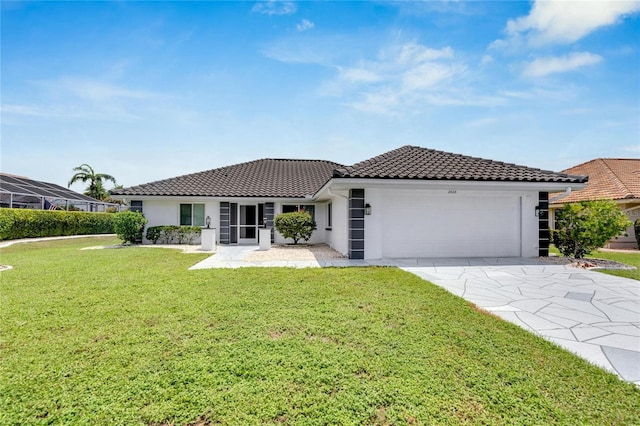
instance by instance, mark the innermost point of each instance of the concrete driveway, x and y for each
(594, 315)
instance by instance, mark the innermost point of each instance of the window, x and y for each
(136, 206)
(290, 208)
(191, 214)
(329, 215)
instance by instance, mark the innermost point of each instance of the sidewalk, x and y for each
(4, 244)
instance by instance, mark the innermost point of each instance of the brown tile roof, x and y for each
(413, 162)
(300, 178)
(609, 179)
(259, 178)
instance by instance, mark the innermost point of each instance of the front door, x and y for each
(247, 224)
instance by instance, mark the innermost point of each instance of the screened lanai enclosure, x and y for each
(22, 193)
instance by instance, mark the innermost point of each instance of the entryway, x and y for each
(244, 222)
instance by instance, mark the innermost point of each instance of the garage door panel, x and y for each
(451, 226)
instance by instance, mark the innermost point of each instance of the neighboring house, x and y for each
(616, 179)
(20, 192)
(409, 202)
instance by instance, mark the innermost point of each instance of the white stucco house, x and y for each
(408, 202)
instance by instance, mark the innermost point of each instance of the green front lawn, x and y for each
(130, 336)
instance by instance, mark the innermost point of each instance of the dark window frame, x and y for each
(192, 220)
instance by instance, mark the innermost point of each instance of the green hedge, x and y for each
(171, 234)
(26, 223)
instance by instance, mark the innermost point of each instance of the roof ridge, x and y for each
(415, 162)
(291, 159)
(615, 179)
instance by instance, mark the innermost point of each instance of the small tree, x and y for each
(129, 225)
(636, 229)
(85, 173)
(586, 226)
(295, 225)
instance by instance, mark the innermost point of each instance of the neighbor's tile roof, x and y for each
(259, 178)
(413, 162)
(609, 179)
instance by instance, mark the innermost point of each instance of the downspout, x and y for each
(561, 196)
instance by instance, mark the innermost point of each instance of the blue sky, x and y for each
(151, 90)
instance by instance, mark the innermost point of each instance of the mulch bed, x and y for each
(589, 263)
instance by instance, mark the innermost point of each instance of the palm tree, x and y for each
(96, 189)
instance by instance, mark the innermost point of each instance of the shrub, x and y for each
(169, 233)
(636, 229)
(173, 233)
(129, 225)
(191, 233)
(295, 225)
(586, 226)
(27, 223)
(153, 233)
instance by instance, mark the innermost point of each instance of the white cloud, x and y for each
(405, 78)
(565, 21)
(24, 110)
(13, 113)
(545, 66)
(305, 25)
(428, 75)
(100, 91)
(403, 68)
(86, 99)
(275, 7)
(633, 149)
(358, 75)
(486, 59)
(481, 122)
(413, 53)
(402, 77)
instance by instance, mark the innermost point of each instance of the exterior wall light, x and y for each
(207, 221)
(367, 209)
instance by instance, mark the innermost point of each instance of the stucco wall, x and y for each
(167, 212)
(337, 238)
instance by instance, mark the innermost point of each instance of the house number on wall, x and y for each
(452, 191)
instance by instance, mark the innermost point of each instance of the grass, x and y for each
(630, 258)
(131, 336)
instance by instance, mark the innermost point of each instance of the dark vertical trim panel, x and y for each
(269, 213)
(233, 223)
(224, 222)
(543, 224)
(356, 224)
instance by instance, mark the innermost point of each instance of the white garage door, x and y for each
(451, 226)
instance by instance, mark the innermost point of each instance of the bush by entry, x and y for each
(295, 225)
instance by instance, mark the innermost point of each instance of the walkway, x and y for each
(594, 315)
